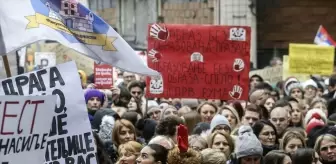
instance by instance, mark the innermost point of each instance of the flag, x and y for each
(70, 23)
(323, 38)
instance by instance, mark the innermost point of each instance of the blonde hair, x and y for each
(317, 100)
(183, 110)
(130, 146)
(319, 140)
(117, 128)
(289, 135)
(197, 138)
(199, 108)
(213, 156)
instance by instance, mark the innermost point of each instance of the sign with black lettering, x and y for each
(70, 139)
(45, 59)
(24, 128)
(196, 61)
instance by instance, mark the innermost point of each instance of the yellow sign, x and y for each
(86, 37)
(271, 74)
(286, 73)
(311, 59)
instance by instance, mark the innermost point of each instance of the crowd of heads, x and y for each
(290, 122)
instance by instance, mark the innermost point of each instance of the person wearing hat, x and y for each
(94, 100)
(295, 90)
(310, 88)
(220, 124)
(248, 148)
(316, 115)
(254, 80)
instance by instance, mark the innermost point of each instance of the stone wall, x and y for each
(188, 12)
(294, 21)
(110, 15)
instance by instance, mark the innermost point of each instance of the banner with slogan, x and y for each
(24, 128)
(285, 71)
(270, 74)
(45, 59)
(103, 76)
(198, 61)
(311, 59)
(70, 139)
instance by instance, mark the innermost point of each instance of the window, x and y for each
(73, 12)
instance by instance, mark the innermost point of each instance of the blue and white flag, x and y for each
(70, 23)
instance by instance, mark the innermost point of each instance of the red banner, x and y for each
(196, 61)
(103, 76)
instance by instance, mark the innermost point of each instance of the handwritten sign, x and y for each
(70, 139)
(199, 61)
(286, 73)
(103, 75)
(271, 74)
(311, 59)
(24, 128)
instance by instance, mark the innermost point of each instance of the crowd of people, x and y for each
(291, 122)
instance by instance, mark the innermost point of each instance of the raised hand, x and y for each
(238, 65)
(182, 138)
(154, 55)
(158, 32)
(236, 92)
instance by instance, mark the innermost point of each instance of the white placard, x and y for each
(24, 128)
(71, 139)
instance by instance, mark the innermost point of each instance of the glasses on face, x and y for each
(196, 148)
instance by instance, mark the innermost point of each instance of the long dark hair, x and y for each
(303, 155)
(275, 157)
(160, 154)
(259, 125)
(102, 157)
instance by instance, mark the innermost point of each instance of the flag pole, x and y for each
(6, 64)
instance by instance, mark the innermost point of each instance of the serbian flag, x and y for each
(70, 23)
(323, 38)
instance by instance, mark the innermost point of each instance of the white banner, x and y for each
(71, 139)
(24, 128)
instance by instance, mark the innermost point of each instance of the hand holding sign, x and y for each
(236, 92)
(156, 56)
(158, 32)
(238, 65)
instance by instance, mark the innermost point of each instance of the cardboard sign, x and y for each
(103, 76)
(285, 71)
(195, 61)
(45, 59)
(311, 59)
(70, 139)
(24, 128)
(270, 74)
